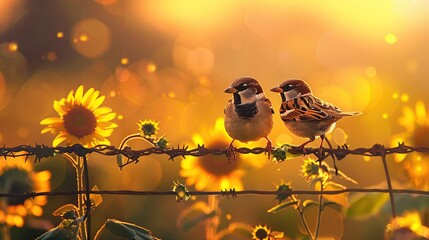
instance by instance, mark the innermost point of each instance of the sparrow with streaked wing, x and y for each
(306, 115)
(248, 114)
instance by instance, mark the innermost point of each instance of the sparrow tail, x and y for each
(345, 114)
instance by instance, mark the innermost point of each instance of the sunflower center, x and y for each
(421, 136)
(261, 233)
(218, 165)
(80, 121)
(18, 182)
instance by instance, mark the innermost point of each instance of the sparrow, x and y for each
(248, 114)
(306, 115)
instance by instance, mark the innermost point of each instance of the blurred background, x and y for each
(170, 60)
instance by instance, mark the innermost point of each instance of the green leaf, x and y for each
(65, 208)
(341, 198)
(308, 203)
(406, 203)
(282, 206)
(194, 215)
(315, 180)
(119, 160)
(366, 205)
(283, 153)
(113, 228)
(342, 175)
(57, 234)
(333, 205)
(96, 199)
(235, 229)
(67, 230)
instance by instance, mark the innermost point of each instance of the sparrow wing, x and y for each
(308, 108)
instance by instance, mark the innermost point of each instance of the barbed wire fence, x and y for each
(40, 152)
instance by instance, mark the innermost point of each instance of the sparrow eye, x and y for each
(288, 87)
(242, 87)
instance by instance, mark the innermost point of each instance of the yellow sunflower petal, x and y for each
(79, 94)
(187, 163)
(95, 136)
(102, 110)
(104, 132)
(225, 183)
(202, 182)
(107, 125)
(96, 102)
(70, 96)
(95, 95)
(87, 97)
(47, 129)
(407, 118)
(51, 120)
(59, 107)
(237, 184)
(421, 113)
(58, 139)
(106, 117)
(105, 141)
(197, 139)
(190, 181)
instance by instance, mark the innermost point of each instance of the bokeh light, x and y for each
(171, 60)
(60, 34)
(390, 38)
(91, 38)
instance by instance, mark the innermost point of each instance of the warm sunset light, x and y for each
(214, 119)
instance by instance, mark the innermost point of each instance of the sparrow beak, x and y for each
(231, 89)
(277, 89)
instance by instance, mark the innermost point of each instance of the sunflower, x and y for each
(215, 172)
(148, 127)
(16, 176)
(407, 226)
(81, 119)
(416, 124)
(260, 232)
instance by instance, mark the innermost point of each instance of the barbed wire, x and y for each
(43, 151)
(133, 156)
(223, 193)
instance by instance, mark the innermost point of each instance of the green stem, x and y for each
(301, 215)
(213, 222)
(80, 197)
(5, 232)
(319, 214)
(5, 229)
(132, 136)
(389, 186)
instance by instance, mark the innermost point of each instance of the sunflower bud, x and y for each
(162, 142)
(181, 191)
(283, 196)
(148, 127)
(310, 169)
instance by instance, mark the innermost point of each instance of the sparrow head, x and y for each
(245, 90)
(292, 88)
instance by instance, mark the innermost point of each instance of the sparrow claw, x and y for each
(320, 151)
(303, 149)
(230, 152)
(269, 149)
(302, 146)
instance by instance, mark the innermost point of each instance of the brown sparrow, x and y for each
(248, 114)
(306, 115)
